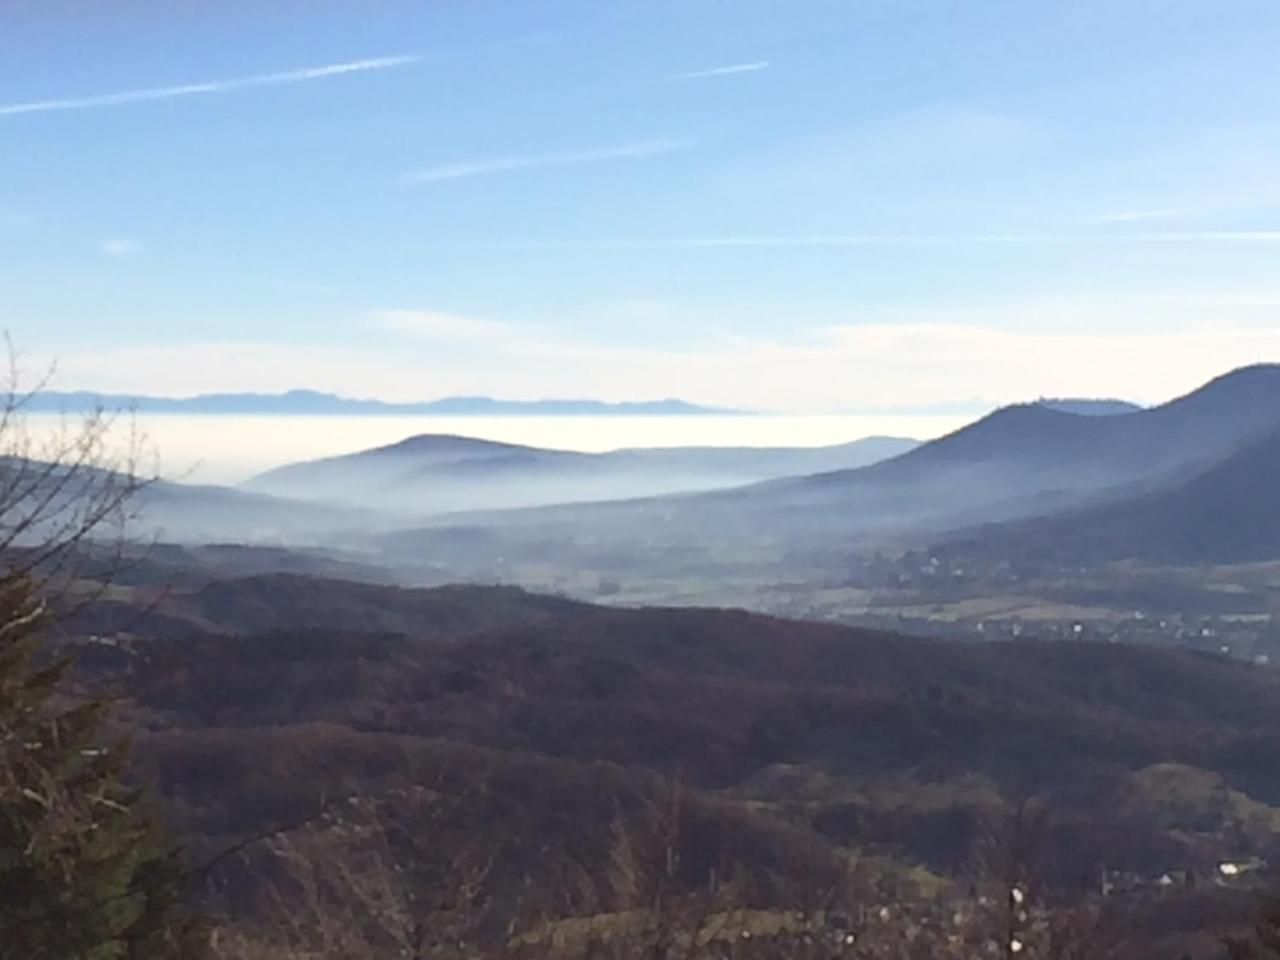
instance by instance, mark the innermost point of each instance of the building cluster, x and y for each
(1243, 874)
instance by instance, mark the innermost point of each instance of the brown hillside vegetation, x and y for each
(527, 729)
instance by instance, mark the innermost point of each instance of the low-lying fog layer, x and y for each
(229, 449)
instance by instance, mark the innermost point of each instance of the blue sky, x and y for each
(811, 205)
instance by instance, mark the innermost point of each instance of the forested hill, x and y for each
(883, 737)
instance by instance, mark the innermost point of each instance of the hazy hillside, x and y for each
(1021, 451)
(1229, 513)
(162, 510)
(193, 513)
(1018, 461)
(430, 473)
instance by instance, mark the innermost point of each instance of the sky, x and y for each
(817, 206)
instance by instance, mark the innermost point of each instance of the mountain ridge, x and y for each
(301, 402)
(1019, 461)
(443, 472)
(1227, 512)
(1022, 451)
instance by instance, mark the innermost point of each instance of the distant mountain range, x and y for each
(316, 403)
(311, 402)
(1190, 480)
(1029, 459)
(440, 473)
(1021, 461)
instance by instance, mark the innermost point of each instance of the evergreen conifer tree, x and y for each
(85, 870)
(85, 873)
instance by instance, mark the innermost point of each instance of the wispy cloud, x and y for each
(571, 158)
(726, 71)
(447, 327)
(1137, 216)
(119, 248)
(802, 241)
(996, 239)
(207, 87)
(1211, 236)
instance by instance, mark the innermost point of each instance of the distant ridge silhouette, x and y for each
(1019, 461)
(312, 402)
(440, 472)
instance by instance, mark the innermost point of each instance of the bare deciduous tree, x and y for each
(68, 492)
(85, 871)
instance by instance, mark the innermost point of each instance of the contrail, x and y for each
(211, 86)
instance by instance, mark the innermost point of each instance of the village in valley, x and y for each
(1228, 611)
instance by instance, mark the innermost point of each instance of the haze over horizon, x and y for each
(823, 207)
(305, 401)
